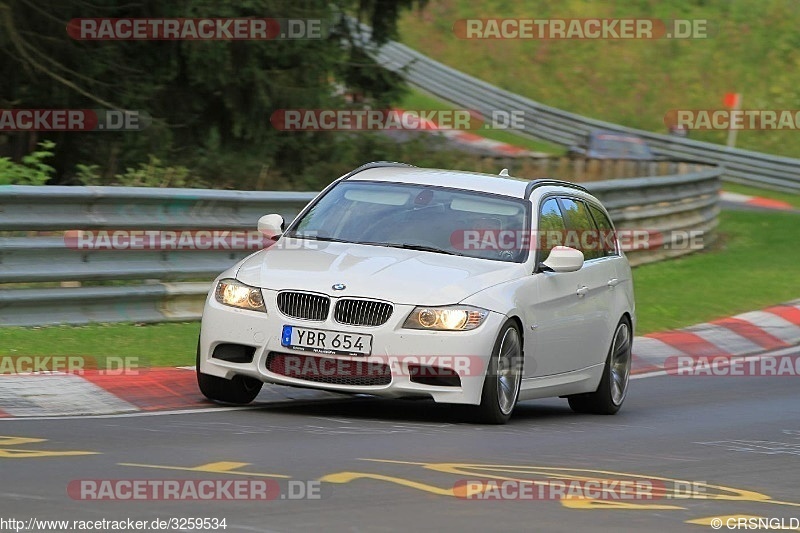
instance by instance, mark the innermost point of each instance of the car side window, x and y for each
(551, 228)
(583, 233)
(608, 237)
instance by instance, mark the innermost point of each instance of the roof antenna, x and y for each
(504, 172)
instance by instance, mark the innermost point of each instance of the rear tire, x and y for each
(240, 390)
(503, 378)
(613, 388)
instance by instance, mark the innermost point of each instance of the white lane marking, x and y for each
(756, 446)
(220, 409)
(653, 374)
(139, 413)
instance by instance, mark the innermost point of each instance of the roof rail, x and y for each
(545, 182)
(376, 164)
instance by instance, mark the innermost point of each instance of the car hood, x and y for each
(396, 275)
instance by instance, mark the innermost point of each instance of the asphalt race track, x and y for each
(732, 444)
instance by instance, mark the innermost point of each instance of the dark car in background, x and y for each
(604, 144)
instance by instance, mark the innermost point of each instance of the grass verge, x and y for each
(753, 266)
(167, 344)
(750, 267)
(752, 48)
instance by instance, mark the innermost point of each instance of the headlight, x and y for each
(231, 292)
(450, 318)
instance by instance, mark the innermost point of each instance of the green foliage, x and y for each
(151, 174)
(208, 99)
(88, 174)
(32, 170)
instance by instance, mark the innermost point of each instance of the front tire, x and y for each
(613, 388)
(240, 390)
(503, 378)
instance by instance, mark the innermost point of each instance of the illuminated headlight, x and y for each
(451, 318)
(231, 292)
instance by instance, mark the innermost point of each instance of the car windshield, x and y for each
(421, 217)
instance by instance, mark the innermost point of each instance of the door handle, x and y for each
(582, 291)
(613, 282)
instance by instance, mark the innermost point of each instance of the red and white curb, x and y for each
(746, 334)
(755, 201)
(151, 390)
(171, 390)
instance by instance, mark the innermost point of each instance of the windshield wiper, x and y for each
(319, 238)
(421, 248)
(403, 245)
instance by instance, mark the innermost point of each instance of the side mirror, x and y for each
(564, 259)
(271, 226)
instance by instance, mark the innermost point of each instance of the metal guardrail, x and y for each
(46, 258)
(59, 208)
(157, 286)
(580, 170)
(562, 127)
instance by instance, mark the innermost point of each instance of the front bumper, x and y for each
(464, 352)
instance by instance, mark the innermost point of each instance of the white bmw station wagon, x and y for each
(407, 282)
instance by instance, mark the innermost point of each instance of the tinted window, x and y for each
(582, 233)
(607, 236)
(551, 228)
(447, 220)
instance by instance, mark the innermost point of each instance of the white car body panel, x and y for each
(399, 276)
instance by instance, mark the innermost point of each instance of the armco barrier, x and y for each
(44, 281)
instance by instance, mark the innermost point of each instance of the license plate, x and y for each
(327, 342)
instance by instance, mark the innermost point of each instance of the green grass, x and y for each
(167, 344)
(418, 100)
(753, 48)
(752, 266)
(788, 197)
